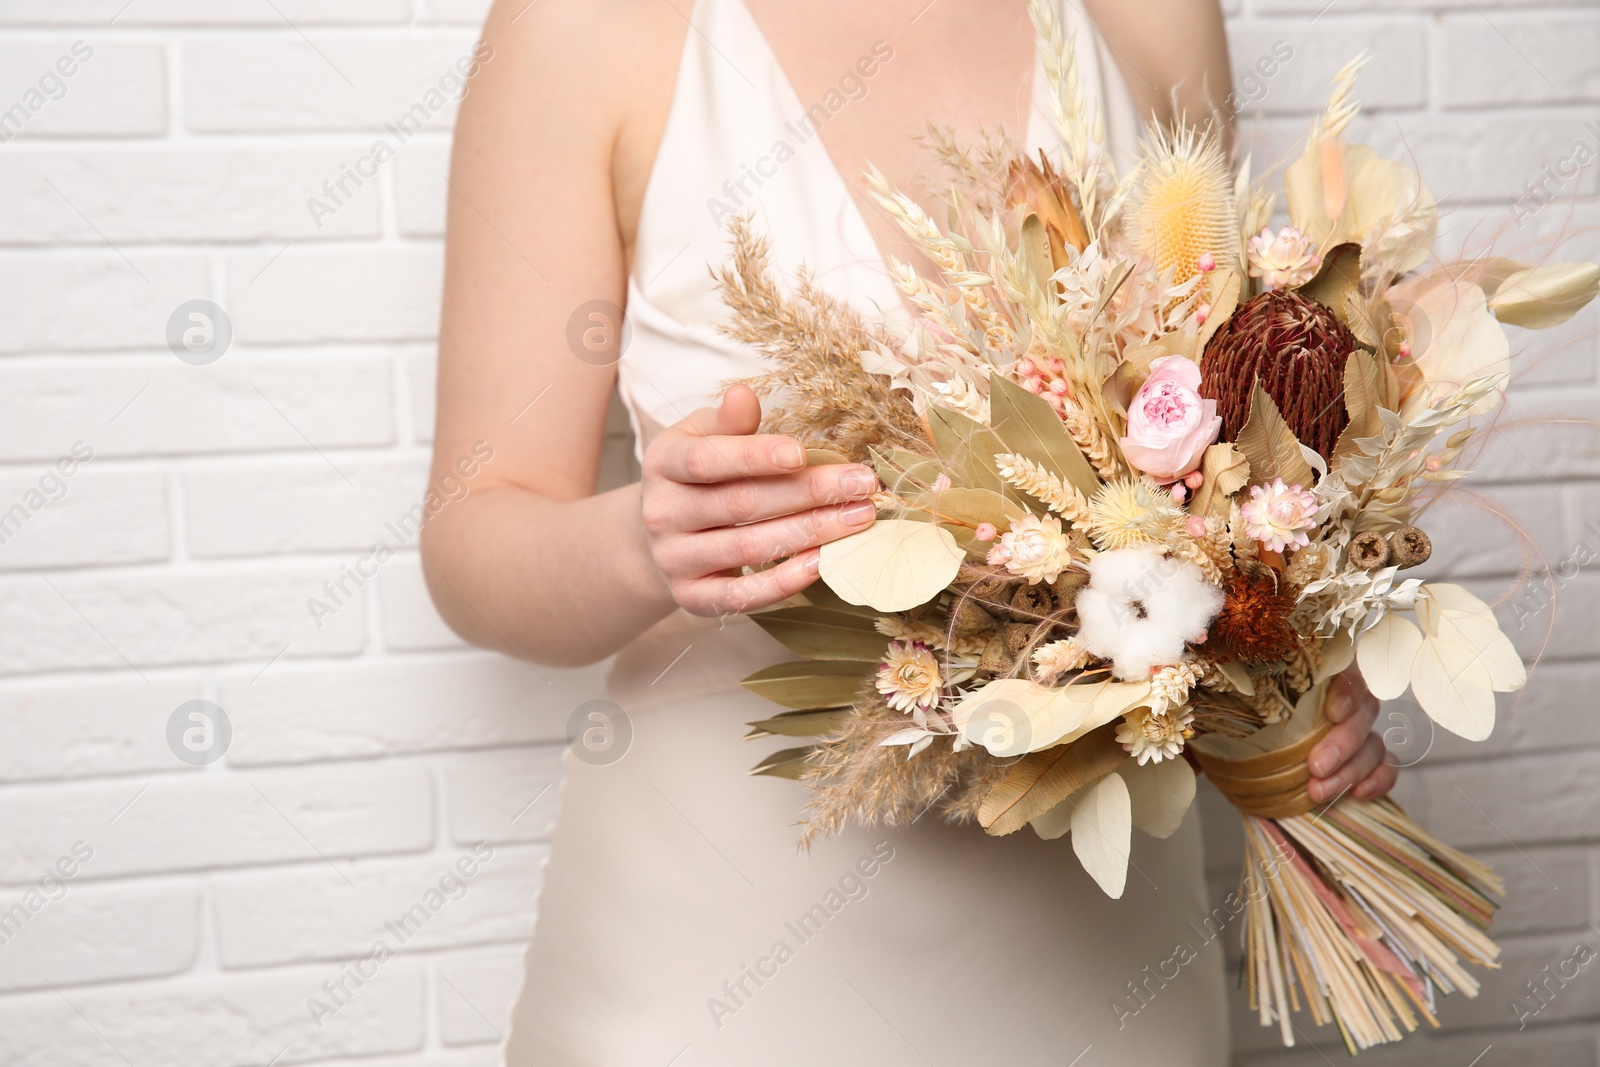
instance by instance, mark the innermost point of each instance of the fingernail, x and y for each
(858, 481)
(1315, 791)
(813, 561)
(860, 511)
(1339, 705)
(789, 455)
(1325, 761)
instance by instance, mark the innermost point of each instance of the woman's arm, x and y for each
(529, 561)
(1174, 56)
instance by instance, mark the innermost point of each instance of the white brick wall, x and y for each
(369, 755)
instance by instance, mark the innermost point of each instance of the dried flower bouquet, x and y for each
(1152, 472)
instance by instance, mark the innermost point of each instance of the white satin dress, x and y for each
(678, 923)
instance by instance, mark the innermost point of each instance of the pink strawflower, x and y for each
(909, 677)
(1034, 548)
(1279, 515)
(986, 531)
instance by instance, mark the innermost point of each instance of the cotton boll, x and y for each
(1141, 606)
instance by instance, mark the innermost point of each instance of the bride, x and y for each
(597, 157)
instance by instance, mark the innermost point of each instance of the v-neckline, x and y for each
(856, 216)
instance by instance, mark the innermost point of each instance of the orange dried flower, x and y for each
(1254, 622)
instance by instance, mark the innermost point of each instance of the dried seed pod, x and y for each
(989, 593)
(1067, 585)
(1369, 550)
(968, 619)
(1031, 603)
(996, 661)
(1409, 546)
(1017, 637)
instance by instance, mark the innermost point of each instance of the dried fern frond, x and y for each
(813, 386)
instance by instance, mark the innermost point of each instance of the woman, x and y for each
(597, 157)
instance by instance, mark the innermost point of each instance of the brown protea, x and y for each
(1253, 625)
(1297, 349)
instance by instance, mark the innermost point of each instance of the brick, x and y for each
(1551, 797)
(467, 12)
(1480, 531)
(421, 371)
(510, 796)
(114, 90)
(193, 821)
(237, 83)
(88, 518)
(1546, 889)
(1565, 625)
(1289, 67)
(97, 934)
(1541, 437)
(475, 997)
(408, 906)
(180, 194)
(410, 621)
(95, 301)
(420, 174)
(146, 407)
(303, 506)
(225, 1021)
(198, 616)
(203, 12)
(1524, 959)
(293, 714)
(75, 730)
(1533, 59)
(1543, 717)
(336, 296)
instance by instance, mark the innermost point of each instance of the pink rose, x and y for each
(1169, 423)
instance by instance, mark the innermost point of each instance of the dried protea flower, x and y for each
(1183, 206)
(1254, 621)
(1036, 188)
(1296, 348)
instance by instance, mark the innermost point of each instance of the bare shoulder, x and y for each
(1172, 53)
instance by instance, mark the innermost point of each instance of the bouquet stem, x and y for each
(1353, 911)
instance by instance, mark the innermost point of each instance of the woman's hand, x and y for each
(1350, 758)
(716, 497)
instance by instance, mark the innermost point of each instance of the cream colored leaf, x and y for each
(892, 565)
(1013, 716)
(1102, 831)
(1452, 335)
(1235, 672)
(1270, 446)
(1541, 297)
(1337, 653)
(1452, 684)
(1055, 822)
(1450, 612)
(1160, 793)
(1225, 472)
(1386, 653)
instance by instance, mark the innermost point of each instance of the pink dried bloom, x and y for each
(1279, 515)
(1282, 261)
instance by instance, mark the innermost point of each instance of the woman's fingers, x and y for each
(684, 457)
(729, 547)
(753, 499)
(750, 592)
(1367, 758)
(1379, 782)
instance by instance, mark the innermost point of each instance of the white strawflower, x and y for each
(1284, 260)
(909, 677)
(1140, 608)
(1151, 738)
(1034, 548)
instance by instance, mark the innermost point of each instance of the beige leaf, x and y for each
(803, 684)
(1028, 425)
(1235, 672)
(1450, 612)
(1270, 446)
(892, 565)
(818, 633)
(1224, 301)
(1452, 684)
(1386, 654)
(1102, 832)
(1452, 335)
(1040, 781)
(1160, 793)
(1336, 653)
(1364, 394)
(1541, 297)
(1339, 275)
(1013, 716)
(1225, 471)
